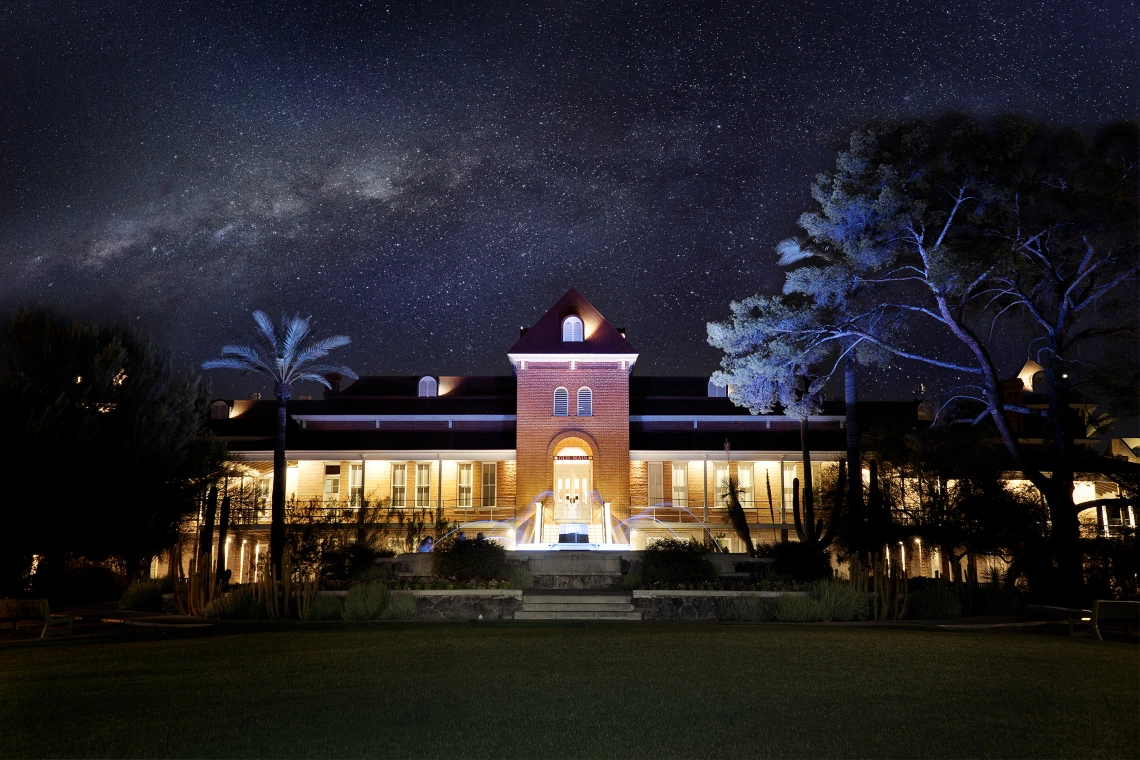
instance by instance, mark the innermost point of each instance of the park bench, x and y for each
(1107, 611)
(16, 611)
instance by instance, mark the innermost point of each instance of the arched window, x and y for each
(1038, 382)
(717, 391)
(428, 387)
(585, 402)
(561, 402)
(572, 330)
(219, 410)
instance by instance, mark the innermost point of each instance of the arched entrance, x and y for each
(573, 479)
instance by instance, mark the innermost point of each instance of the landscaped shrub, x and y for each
(632, 580)
(745, 609)
(238, 604)
(366, 601)
(374, 572)
(671, 562)
(400, 606)
(802, 562)
(935, 602)
(469, 559)
(143, 596)
(799, 609)
(76, 581)
(326, 607)
(841, 601)
(991, 599)
(520, 576)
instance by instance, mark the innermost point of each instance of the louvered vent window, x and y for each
(561, 402)
(585, 402)
(428, 387)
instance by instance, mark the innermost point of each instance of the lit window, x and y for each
(680, 484)
(332, 482)
(717, 391)
(572, 330)
(720, 482)
(561, 402)
(746, 479)
(490, 495)
(463, 486)
(428, 387)
(356, 484)
(585, 402)
(656, 484)
(399, 485)
(423, 485)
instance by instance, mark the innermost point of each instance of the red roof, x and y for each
(600, 337)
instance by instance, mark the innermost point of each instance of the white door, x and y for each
(572, 490)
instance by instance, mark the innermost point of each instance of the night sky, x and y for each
(427, 178)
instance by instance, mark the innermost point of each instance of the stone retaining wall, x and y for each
(468, 604)
(692, 605)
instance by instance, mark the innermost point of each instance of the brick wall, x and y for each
(606, 432)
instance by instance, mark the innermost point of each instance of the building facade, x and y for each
(571, 448)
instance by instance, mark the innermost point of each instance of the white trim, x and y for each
(400, 455)
(765, 418)
(645, 455)
(404, 417)
(588, 358)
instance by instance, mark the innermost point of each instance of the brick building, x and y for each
(572, 447)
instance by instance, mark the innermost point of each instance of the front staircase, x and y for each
(550, 604)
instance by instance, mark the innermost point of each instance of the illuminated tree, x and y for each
(288, 359)
(944, 230)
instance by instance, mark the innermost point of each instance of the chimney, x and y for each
(522, 330)
(334, 379)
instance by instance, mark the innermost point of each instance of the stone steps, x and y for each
(577, 605)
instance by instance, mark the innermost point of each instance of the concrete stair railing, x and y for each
(577, 605)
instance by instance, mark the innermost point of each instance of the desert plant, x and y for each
(374, 573)
(400, 606)
(936, 602)
(470, 559)
(366, 601)
(307, 591)
(744, 609)
(325, 607)
(841, 602)
(239, 604)
(801, 561)
(992, 599)
(520, 576)
(632, 579)
(144, 596)
(671, 562)
(799, 609)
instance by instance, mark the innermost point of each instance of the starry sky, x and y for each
(427, 177)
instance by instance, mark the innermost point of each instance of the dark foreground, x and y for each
(621, 690)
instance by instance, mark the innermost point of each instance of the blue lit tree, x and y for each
(926, 237)
(288, 359)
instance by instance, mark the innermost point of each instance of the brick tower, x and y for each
(572, 440)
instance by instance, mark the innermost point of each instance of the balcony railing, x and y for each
(756, 512)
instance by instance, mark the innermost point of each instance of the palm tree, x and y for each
(289, 360)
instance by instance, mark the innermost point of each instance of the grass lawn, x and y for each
(630, 690)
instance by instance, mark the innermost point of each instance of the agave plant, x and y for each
(288, 358)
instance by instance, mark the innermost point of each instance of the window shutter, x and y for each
(585, 402)
(561, 402)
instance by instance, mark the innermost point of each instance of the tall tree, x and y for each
(289, 359)
(945, 229)
(107, 438)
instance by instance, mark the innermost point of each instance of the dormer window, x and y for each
(572, 330)
(428, 387)
(561, 402)
(717, 391)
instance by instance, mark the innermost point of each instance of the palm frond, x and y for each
(231, 362)
(311, 376)
(295, 330)
(268, 331)
(331, 342)
(791, 251)
(327, 369)
(247, 354)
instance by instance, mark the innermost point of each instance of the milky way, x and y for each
(428, 178)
